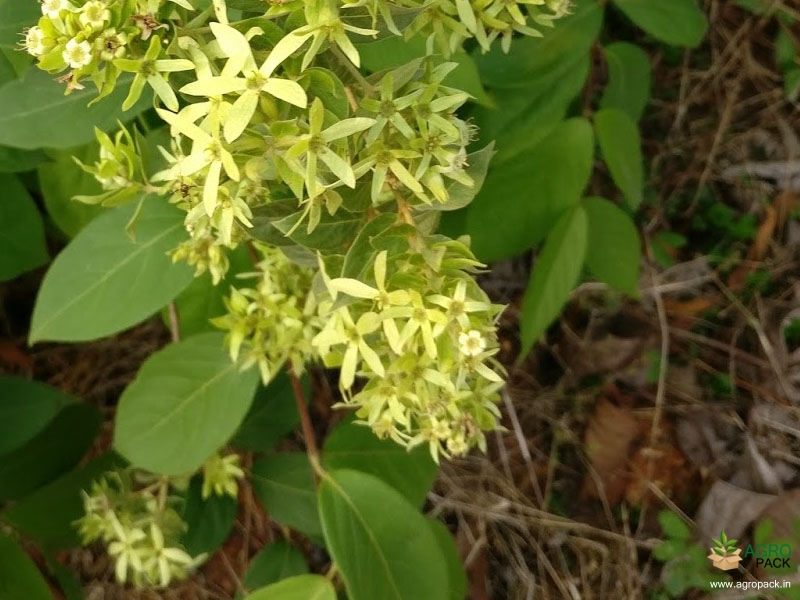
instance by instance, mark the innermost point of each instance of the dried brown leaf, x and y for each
(608, 444)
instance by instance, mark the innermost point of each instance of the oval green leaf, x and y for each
(54, 451)
(60, 180)
(555, 274)
(184, 405)
(16, 15)
(628, 87)
(14, 160)
(355, 447)
(382, 545)
(277, 561)
(621, 147)
(272, 415)
(522, 198)
(208, 521)
(301, 587)
(104, 281)
(676, 22)
(22, 243)
(19, 577)
(456, 577)
(48, 514)
(37, 114)
(614, 246)
(26, 407)
(285, 485)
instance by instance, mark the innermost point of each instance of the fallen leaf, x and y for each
(782, 519)
(608, 442)
(690, 308)
(785, 202)
(662, 465)
(705, 439)
(729, 507)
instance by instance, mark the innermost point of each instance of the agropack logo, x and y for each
(726, 556)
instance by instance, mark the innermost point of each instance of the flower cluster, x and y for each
(333, 179)
(451, 22)
(140, 527)
(274, 322)
(422, 334)
(220, 475)
(100, 39)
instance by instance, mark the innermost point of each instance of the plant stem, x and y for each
(305, 420)
(174, 322)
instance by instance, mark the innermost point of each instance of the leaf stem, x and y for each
(305, 420)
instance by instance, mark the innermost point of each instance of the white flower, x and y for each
(77, 54)
(95, 14)
(471, 343)
(53, 8)
(34, 41)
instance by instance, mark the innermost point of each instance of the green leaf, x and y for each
(272, 416)
(277, 561)
(16, 15)
(325, 85)
(273, 221)
(37, 114)
(14, 160)
(383, 546)
(628, 87)
(522, 198)
(26, 407)
(456, 577)
(676, 22)
(54, 451)
(209, 521)
(355, 447)
(285, 485)
(669, 549)
(22, 243)
(535, 83)
(67, 580)
(47, 515)
(555, 274)
(197, 304)
(184, 405)
(19, 577)
(673, 526)
(361, 250)
(621, 147)
(614, 246)
(104, 282)
(13, 64)
(61, 179)
(301, 587)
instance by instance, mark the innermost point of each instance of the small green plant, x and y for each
(685, 564)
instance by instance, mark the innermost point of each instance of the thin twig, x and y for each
(523, 445)
(661, 390)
